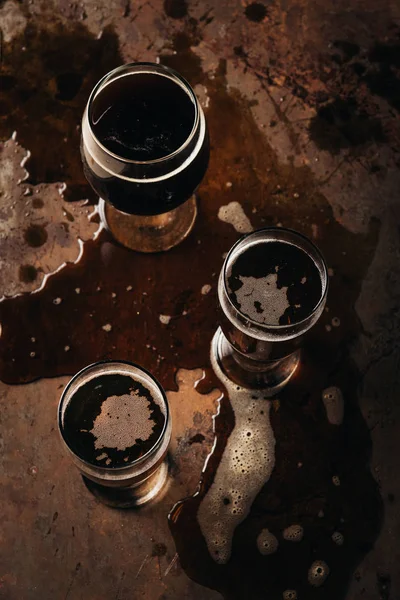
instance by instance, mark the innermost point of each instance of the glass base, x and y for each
(130, 497)
(270, 376)
(149, 233)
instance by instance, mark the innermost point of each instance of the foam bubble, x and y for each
(294, 533)
(333, 401)
(123, 420)
(165, 319)
(317, 573)
(234, 214)
(206, 289)
(290, 595)
(245, 466)
(336, 480)
(338, 538)
(267, 542)
(260, 298)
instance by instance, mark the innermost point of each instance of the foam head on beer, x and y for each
(113, 416)
(274, 282)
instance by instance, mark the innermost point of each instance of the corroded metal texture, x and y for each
(302, 101)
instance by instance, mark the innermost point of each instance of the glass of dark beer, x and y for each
(272, 289)
(114, 420)
(145, 150)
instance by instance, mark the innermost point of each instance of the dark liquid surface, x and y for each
(275, 283)
(104, 416)
(142, 116)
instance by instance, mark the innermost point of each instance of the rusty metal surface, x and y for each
(302, 99)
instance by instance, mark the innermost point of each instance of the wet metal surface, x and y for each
(302, 103)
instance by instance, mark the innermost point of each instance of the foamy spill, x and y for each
(165, 319)
(317, 573)
(246, 465)
(123, 420)
(267, 543)
(333, 401)
(294, 533)
(206, 289)
(234, 214)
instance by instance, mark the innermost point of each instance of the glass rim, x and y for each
(137, 461)
(173, 75)
(266, 326)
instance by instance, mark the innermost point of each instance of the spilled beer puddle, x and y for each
(290, 510)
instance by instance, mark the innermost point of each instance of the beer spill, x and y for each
(333, 401)
(234, 214)
(245, 466)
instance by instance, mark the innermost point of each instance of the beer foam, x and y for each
(290, 595)
(267, 543)
(123, 420)
(234, 214)
(245, 466)
(317, 573)
(294, 533)
(260, 299)
(338, 538)
(332, 398)
(165, 319)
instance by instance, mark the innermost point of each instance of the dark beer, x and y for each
(274, 283)
(112, 420)
(272, 290)
(142, 117)
(152, 146)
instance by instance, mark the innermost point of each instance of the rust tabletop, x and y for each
(302, 101)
